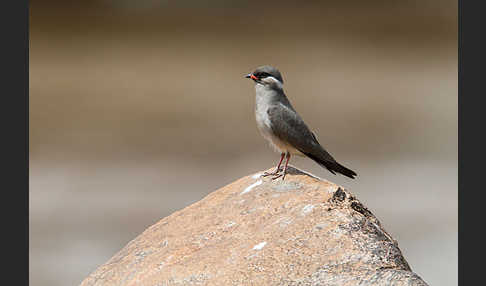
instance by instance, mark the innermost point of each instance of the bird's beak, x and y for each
(251, 76)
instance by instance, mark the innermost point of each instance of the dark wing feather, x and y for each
(289, 127)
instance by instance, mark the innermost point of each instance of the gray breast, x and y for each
(264, 101)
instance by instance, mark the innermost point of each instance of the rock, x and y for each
(255, 231)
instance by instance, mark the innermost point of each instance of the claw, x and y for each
(265, 174)
(277, 176)
(278, 171)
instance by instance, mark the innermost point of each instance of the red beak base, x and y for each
(253, 77)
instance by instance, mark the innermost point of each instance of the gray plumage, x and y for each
(282, 126)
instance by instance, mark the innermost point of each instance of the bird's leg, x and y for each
(286, 165)
(277, 170)
(284, 170)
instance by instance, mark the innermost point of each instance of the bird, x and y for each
(282, 126)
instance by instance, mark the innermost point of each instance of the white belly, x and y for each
(264, 126)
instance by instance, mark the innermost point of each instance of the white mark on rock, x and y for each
(307, 209)
(337, 233)
(284, 186)
(164, 243)
(259, 246)
(163, 263)
(284, 221)
(250, 187)
(332, 190)
(256, 176)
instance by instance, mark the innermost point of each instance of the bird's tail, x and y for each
(343, 170)
(333, 166)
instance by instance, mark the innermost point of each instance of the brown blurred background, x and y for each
(140, 108)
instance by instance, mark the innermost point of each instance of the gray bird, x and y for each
(281, 125)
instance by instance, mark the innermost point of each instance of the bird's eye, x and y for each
(262, 74)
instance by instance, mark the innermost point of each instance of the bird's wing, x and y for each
(289, 127)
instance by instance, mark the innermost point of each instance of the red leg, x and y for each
(278, 167)
(286, 165)
(280, 162)
(284, 170)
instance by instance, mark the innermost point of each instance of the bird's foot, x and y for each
(276, 172)
(279, 175)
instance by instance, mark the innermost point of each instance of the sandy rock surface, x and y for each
(255, 231)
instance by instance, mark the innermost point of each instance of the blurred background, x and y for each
(140, 108)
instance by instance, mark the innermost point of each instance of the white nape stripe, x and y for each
(271, 79)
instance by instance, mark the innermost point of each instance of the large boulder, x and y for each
(256, 231)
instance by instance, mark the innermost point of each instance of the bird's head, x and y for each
(267, 76)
